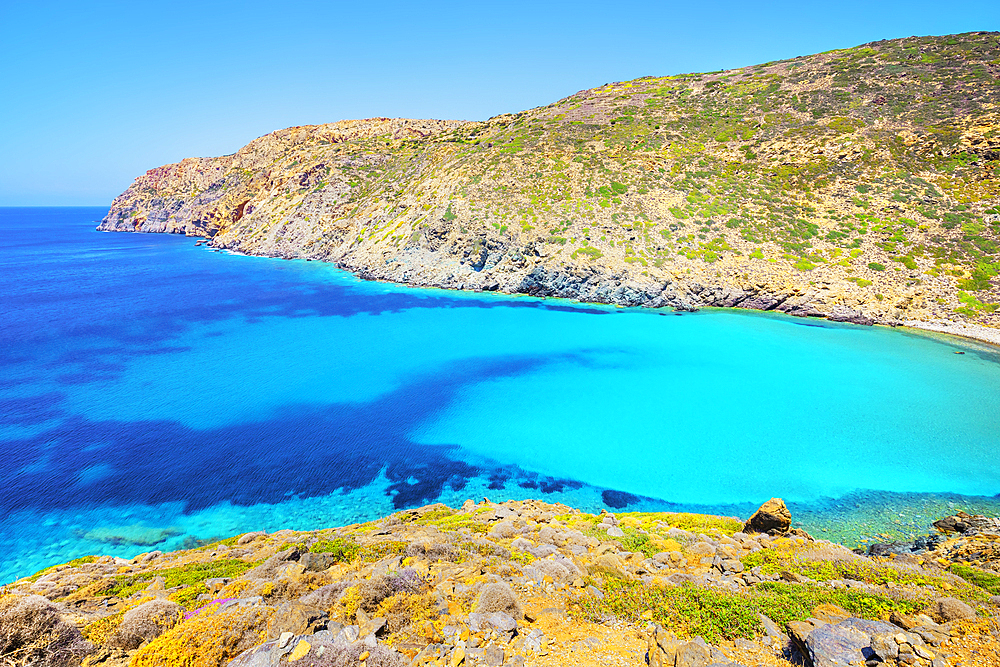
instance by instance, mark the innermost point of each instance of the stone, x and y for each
(615, 531)
(732, 565)
(951, 609)
(957, 523)
(300, 650)
(773, 518)
(250, 537)
(884, 646)
(493, 656)
(316, 562)
(772, 629)
(799, 631)
(830, 613)
(693, 654)
(836, 646)
(903, 620)
(296, 618)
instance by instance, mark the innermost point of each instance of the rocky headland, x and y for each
(521, 583)
(858, 185)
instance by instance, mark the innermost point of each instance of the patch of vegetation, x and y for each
(589, 251)
(76, 562)
(379, 550)
(100, 631)
(717, 615)
(698, 523)
(988, 581)
(343, 549)
(124, 586)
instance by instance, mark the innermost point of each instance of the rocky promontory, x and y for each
(859, 185)
(517, 583)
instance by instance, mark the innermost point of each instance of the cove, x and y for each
(155, 394)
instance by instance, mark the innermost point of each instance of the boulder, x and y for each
(845, 643)
(953, 524)
(320, 650)
(830, 613)
(772, 518)
(693, 654)
(296, 618)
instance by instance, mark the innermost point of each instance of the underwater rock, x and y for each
(136, 534)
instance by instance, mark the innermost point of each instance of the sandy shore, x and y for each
(974, 331)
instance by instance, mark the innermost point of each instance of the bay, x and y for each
(156, 394)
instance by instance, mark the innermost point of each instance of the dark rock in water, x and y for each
(850, 315)
(917, 546)
(618, 499)
(885, 549)
(953, 524)
(772, 518)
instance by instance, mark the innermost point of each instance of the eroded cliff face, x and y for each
(858, 185)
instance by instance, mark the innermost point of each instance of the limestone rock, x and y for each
(772, 518)
(297, 618)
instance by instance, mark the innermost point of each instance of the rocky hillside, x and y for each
(858, 184)
(520, 583)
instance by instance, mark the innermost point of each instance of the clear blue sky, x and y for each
(94, 93)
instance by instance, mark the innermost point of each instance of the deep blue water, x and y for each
(154, 393)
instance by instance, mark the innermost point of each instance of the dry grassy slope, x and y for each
(787, 185)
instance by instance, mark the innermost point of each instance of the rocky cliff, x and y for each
(858, 184)
(520, 583)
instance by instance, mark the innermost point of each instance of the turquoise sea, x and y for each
(155, 394)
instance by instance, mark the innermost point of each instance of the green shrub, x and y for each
(73, 563)
(589, 251)
(986, 580)
(718, 615)
(875, 266)
(343, 549)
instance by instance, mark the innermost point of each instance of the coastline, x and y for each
(522, 584)
(975, 332)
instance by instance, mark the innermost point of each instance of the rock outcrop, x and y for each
(857, 185)
(512, 584)
(772, 518)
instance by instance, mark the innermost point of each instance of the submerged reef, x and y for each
(858, 185)
(522, 583)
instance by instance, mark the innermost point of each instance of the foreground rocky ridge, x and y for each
(523, 582)
(858, 185)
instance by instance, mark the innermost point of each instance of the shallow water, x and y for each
(154, 394)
